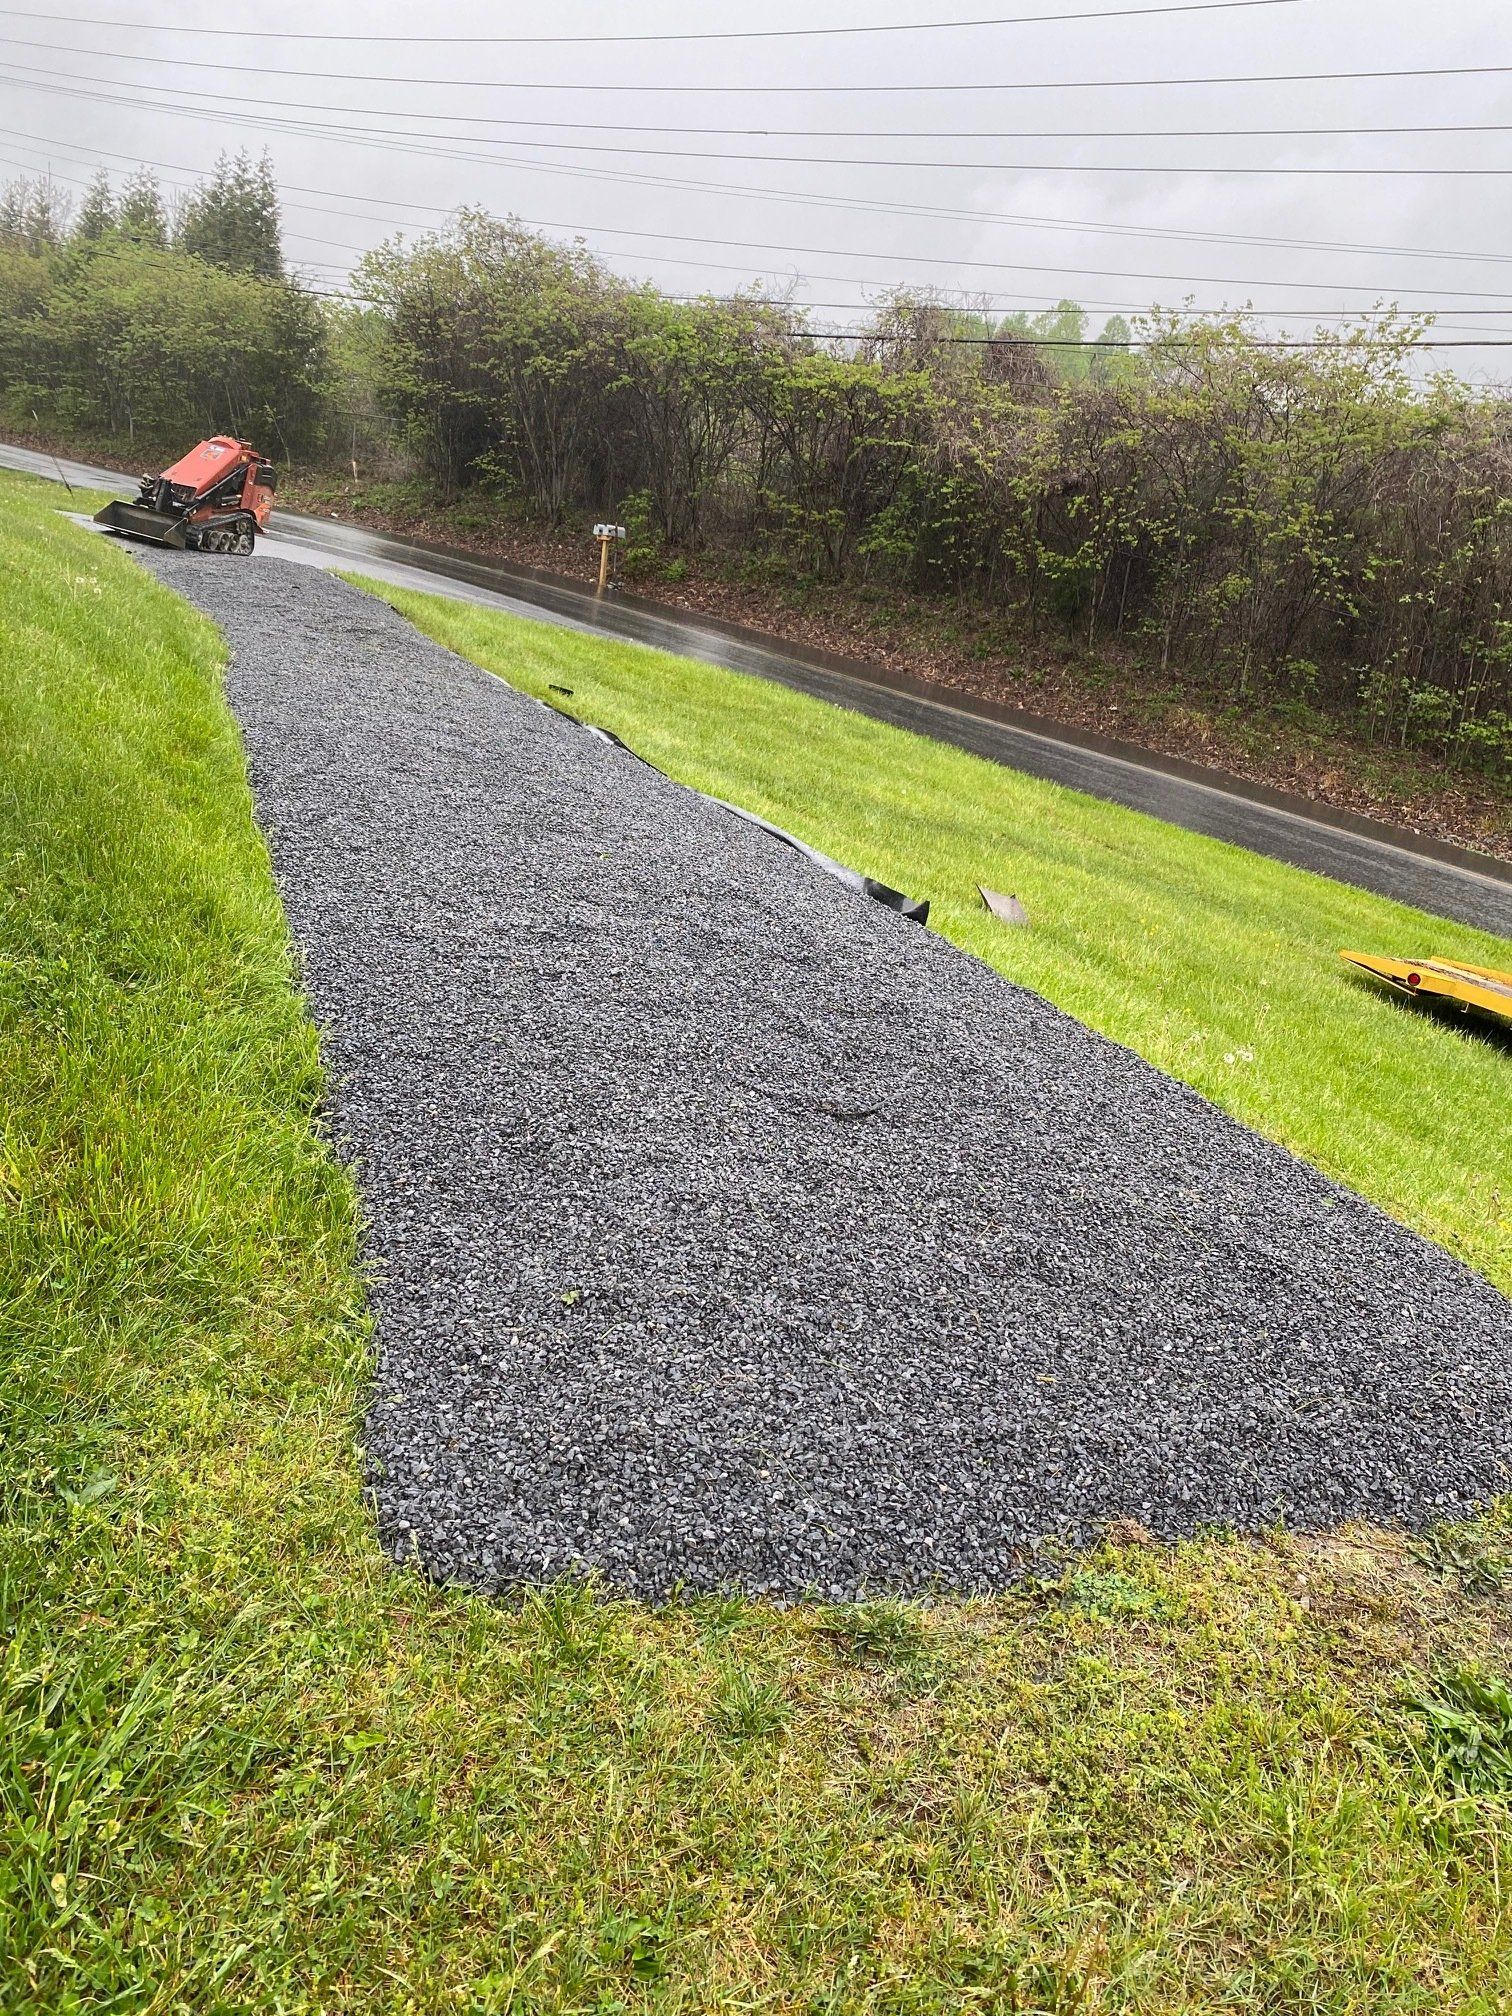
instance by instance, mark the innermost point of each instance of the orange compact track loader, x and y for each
(216, 498)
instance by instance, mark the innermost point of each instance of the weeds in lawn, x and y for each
(1474, 1554)
(570, 1619)
(1465, 1737)
(720, 1612)
(883, 1631)
(1110, 1594)
(638, 1945)
(748, 1707)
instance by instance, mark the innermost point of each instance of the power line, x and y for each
(399, 144)
(1109, 273)
(786, 132)
(43, 143)
(727, 132)
(743, 191)
(674, 35)
(521, 158)
(361, 136)
(1331, 287)
(1343, 340)
(1023, 221)
(1136, 343)
(704, 263)
(1360, 319)
(861, 280)
(970, 303)
(842, 161)
(1209, 169)
(967, 306)
(770, 90)
(1346, 340)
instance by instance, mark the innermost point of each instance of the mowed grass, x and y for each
(247, 1765)
(1218, 965)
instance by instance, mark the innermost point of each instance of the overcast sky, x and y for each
(995, 219)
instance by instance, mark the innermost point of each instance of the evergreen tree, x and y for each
(97, 213)
(141, 217)
(232, 220)
(33, 214)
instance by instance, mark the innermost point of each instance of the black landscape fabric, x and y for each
(730, 1229)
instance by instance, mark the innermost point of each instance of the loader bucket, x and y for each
(135, 521)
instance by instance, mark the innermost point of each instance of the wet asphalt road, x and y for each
(1445, 881)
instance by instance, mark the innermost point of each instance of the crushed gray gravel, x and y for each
(730, 1229)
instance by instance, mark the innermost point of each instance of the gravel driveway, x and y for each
(730, 1229)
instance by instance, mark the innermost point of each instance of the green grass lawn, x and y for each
(245, 1765)
(1216, 964)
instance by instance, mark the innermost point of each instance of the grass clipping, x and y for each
(247, 1765)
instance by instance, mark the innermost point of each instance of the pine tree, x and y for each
(232, 220)
(141, 216)
(14, 199)
(97, 213)
(33, 213)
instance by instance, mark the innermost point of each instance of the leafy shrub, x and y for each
(1322, 527)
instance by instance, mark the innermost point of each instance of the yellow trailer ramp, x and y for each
(1446, 980)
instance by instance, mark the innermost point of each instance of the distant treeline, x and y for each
(1325, 523)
